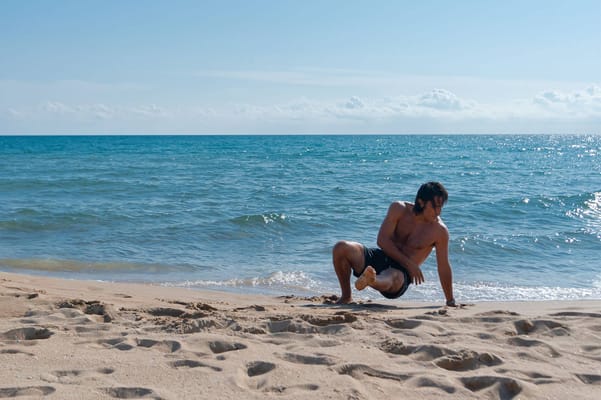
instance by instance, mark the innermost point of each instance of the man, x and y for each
(406, 238)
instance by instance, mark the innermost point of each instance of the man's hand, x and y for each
(416, 274)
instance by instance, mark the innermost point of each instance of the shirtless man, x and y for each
(406, 238)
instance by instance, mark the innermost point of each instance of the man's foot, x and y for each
(367, 278)
(344, 300)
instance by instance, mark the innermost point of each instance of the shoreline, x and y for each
(97, 340)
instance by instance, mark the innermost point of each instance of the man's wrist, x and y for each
(451, 303)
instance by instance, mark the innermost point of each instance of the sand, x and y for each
(67, 339)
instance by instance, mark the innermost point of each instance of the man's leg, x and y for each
(347, 256)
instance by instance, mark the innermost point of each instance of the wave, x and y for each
(488, 291)
(32, 220)
(303, 284)
(277, 282)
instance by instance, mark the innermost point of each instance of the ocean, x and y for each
(260, 214)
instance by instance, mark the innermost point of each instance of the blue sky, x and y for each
(527, 66)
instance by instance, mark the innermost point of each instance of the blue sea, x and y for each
(260, 214)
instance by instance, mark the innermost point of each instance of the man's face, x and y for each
(433, 209)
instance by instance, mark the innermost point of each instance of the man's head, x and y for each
(430, 192)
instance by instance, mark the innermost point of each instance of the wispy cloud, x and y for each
(301, 77)
(354, 114)
(482, 88)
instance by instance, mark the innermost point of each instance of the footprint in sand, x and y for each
(165, 312)
(30, 333)
(591, 351)
(331, 325)
(519, 341)
(193, 364)
(434, 382)
(91, 330)
(117, 343)
(419, 352)
(403, 323)
(467, 360)
(32, 391)
(358, 370)
(15, 351)
(531, 376)
(549, 327)
(291, 389)
(219, 346)
(198, 324)
(256, 368)
(589, 379)
(74, 376)
(164, 346)
(338, 318)
(104, 371)
(493, 386)
(307, 360)
(131, 393)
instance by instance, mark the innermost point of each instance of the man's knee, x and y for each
(398, 279)
(340, 247)
(346, 249)
(348, 254)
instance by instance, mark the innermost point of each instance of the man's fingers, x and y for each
(416, 276)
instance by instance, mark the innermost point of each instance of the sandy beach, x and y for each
(67, 339)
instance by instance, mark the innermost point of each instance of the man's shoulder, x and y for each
(401, 206)
(442, 228)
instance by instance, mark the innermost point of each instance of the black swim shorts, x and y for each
(380, 261)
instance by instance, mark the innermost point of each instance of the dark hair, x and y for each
(428, 192)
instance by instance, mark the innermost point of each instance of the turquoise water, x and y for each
(259, 214)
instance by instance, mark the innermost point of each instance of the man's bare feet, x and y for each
(367, 278)
(343, 300)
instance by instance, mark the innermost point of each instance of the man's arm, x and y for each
(445, 274)
(387, 243)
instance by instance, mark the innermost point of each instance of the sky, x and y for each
(300, 67)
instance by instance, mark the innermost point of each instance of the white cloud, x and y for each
(585, 102)
(441, 99)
